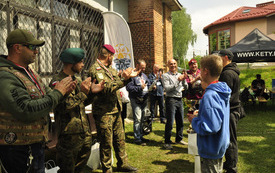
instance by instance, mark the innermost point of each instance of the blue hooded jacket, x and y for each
(212, 123)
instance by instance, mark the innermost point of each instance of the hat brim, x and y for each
(37, 42)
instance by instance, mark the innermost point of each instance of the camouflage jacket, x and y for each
(25, 104)
(70, 114)
(108, 101)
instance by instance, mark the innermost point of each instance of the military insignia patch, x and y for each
(98, 68)
(100, 76)
(10, 137)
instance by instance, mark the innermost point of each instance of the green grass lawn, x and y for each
(248, 75)
(256, 136)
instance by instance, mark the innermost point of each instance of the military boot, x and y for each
(127, 168)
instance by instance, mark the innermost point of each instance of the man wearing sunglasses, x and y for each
(25, 104)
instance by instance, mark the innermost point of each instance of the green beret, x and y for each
(72, 55)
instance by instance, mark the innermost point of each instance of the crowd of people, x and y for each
(26, 102)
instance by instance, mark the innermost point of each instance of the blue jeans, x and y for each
(174, 110)
(153, 100)
(16, 157)
(138, 115)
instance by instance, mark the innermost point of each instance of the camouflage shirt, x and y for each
(70, 113)
(108, 101)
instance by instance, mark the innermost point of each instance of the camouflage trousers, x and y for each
(110, 133)
(73, 152)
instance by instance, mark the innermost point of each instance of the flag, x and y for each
(117, 33)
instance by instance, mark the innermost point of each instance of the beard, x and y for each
(75, 70)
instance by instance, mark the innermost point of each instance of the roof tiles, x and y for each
(244, 13)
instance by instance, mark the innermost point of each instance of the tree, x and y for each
(183, 34)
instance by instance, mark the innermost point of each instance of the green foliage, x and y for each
(184, 64)
(183, 34)
(248, 75)
(213, 42)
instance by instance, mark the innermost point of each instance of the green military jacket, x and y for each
(70, 114)
(108, 101)
(23, 106)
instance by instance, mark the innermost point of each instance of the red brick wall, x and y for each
(140, 10)
(152, 38)
(140, 17)
(158, 32)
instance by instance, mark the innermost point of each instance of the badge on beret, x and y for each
(10, 137)
(98, 68)
(100, 76)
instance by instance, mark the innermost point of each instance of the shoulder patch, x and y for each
(98, 68)
(100, 76)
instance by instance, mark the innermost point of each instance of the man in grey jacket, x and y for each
(173, 83)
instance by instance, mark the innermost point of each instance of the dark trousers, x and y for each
(15, 158)
(124, 113)
(153, 100)
(174, 110)
(231, 155)
(73, 152)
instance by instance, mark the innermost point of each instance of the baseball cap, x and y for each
(192, 61)
(109, 48)
(226, 52)
(22, 36)
(72, 55)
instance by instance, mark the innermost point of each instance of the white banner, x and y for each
(117, 33)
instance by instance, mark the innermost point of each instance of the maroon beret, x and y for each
(192, 61)
(109, 48)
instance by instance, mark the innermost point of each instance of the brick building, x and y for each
(151, 28)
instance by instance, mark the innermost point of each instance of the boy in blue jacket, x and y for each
(212, 122)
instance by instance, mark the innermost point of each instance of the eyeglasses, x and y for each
(31, 47)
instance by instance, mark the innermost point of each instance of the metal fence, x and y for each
(61, 23)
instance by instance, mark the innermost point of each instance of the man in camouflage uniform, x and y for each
(25, 104)
(107, 108)
(74, 136)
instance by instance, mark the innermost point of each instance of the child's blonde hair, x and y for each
(213, 63)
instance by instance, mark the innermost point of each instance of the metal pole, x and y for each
(184, 63)
(111, 5)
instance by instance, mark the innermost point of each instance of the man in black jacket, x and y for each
(230, 75)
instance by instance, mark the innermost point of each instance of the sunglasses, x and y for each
(31, 47)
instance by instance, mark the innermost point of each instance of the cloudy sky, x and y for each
(204, 12)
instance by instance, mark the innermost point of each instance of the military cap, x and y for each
(22, 36)
(226, 52)
(72, 55)
(109, 48)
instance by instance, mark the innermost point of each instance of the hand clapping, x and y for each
(129, 73)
